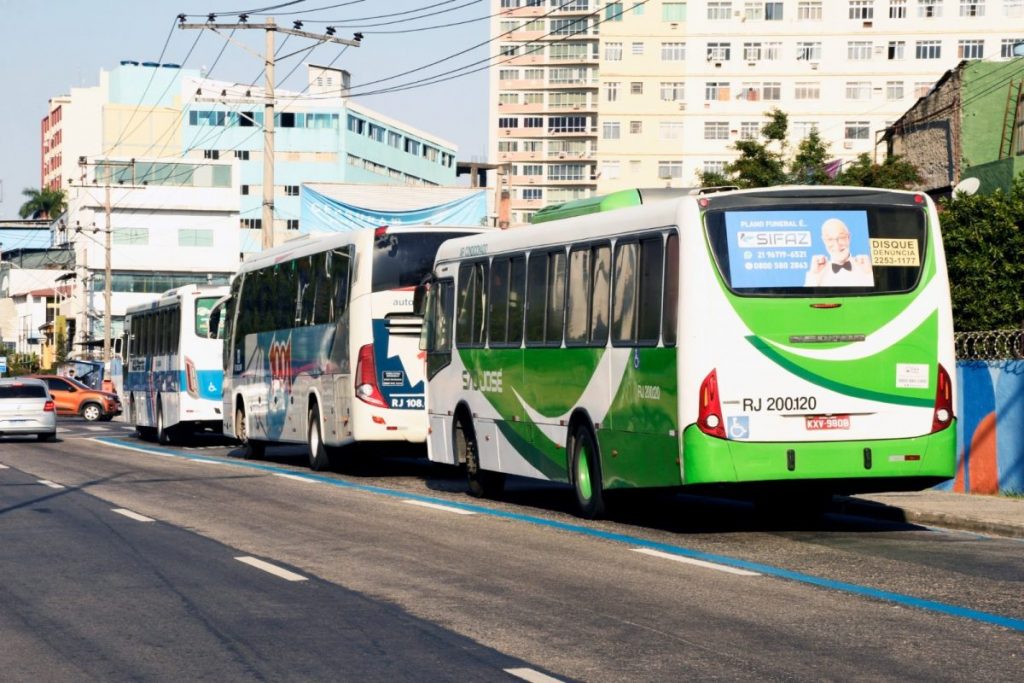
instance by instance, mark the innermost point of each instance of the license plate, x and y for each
(819, 422)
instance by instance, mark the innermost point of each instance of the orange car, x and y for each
(74, 398)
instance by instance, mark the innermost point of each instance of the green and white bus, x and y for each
(787, 340)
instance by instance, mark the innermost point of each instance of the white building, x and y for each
(594, 96)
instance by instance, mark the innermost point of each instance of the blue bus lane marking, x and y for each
(768, 570)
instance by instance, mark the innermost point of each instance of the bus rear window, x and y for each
(801, 251)
(404, 259)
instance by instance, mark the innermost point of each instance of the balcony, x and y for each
(505, 109)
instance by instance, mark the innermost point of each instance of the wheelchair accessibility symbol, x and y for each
(738, 427)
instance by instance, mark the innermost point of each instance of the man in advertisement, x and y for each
(839, 268)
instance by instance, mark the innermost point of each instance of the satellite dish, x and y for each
(967, 186)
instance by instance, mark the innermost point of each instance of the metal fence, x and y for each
(990, 345)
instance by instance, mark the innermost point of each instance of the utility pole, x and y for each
(267, 220)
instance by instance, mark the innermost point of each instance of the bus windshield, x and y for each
(404, 259)
(799, 251)
(204, 305)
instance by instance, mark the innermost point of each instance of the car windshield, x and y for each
(22, 391)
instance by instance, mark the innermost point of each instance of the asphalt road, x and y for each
(408, 577)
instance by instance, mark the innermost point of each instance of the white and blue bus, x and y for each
(321, 345)
(172, 370)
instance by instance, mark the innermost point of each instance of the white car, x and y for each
(26, 407)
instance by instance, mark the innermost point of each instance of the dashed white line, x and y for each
(4, 467)
(95, 428)
(296, 477)
(133, 515)
(271, 569)
(531, 675)
(695, 562)
(63, 430)
(209, 461)
(436, 506)
(47, 482)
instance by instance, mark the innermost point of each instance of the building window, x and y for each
(858, 50)
(211, 154)
(716, 90)
(858, 90)
(673, 11)
(567, 124)
(897, 49)
(673, 91)
(670, 130)
(252, 224)
(613, 52)
(716, 167)
(611, 91)
(1013, 8)
(506, 98)
(532, 169)
(719, 52)
(533, 98)
(533, 74)
(291, 190)
(636, 88)
(757, 52)
(291, 224)
(922, 88)
(508, 122)
(613, 11)
(532, 194)
(135, 237)
(762, 11)
(894, 90)
(970, 49)
(928, 49)
(808, 10)
(188, 237)
(857, 130)
(533, 122)
(972, 8)
(673, 52)
(568, 172)
(771, 91)
(610, 170)
(808, 51)
(927, 9)
(637, 48)
(611, 130)
(242, 154)
(719, 11)
(1006, 47)
(862, 9)
(809, 90)
(244, 189)
(897, 9)
(750, 130)
(670, 169)
(508, 74)
(636, 127)
(716, 130)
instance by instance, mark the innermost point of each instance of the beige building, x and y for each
(590, 96)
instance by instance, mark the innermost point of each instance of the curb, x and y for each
(947, 520)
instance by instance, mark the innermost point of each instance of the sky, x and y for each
(51, 46)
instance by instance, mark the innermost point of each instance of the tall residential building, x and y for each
(594, 96)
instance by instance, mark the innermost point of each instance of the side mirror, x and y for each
(214, 324)
(419, 298)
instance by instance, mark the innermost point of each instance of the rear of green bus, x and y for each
(818, 346)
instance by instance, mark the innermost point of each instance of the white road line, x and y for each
(271, 569)
(698, 563)
(295, 477)
(435, 506)
(532, 676)
(209, 461)
(4, 467)
(47, 482)
(63, 430)
(132, 515)
(95, 428)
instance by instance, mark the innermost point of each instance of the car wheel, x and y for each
(92, 412)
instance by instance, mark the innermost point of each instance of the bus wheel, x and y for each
(586, 473)
(250, 449)
(319, 458)
(482, 483)
(163, 434)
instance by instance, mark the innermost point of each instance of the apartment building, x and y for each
(591, 96)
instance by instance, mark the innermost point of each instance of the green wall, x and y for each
(983, 103)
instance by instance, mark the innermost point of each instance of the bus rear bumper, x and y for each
(848, 466)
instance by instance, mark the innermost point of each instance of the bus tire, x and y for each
(319, 458)
(250, 449)
(585, 473)
(164, 435)
(482, 483)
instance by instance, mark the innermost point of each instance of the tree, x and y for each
(43, 203)
(894, 173)
(808, 166)
(984, 240)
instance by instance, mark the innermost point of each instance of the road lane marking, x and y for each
(857, 590)
(296, 477)
(531, 676)
(133, 515)
(695, 562)
(4, 467)
(47, 482)
(209, 461)
(272, 569)
(439, 506)
(95, 428)
(63, 430)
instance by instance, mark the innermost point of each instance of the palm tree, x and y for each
(43, 203)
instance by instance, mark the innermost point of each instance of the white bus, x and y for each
(321, 343)
(787, 342)
(172, 370)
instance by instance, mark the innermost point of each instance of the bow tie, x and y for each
(846, 266)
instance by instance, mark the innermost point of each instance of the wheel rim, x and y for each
(583, 473)
(91, 413)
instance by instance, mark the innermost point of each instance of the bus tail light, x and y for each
(366, 378)
(943, 414)
(49, 407)
(191, 378)
(709, 418)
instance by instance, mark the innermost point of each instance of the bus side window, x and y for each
(556, 299)
(624, 292)
(536, 295)
(577, 321)
(599, 305)
(516, 299)
(440, 313)
(670, 314)
(649, 295)
(498, 322)
(469, 323)
(339, 264)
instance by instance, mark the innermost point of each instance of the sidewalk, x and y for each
(995, 515)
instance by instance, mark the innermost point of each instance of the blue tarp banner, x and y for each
(324, 214)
